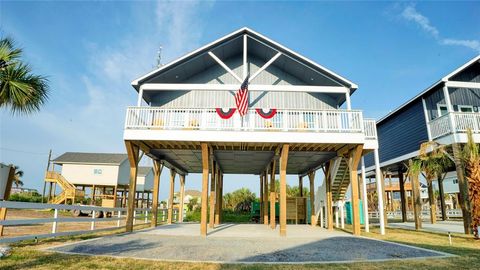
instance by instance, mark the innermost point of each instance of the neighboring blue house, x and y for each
(441, 113)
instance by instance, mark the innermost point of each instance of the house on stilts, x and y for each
(299, 120)
(442, 113)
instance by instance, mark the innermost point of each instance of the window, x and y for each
(442, 109)
(97, 171)
(455, 181)
(465, 108)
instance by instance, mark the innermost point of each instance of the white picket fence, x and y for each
(140, 216)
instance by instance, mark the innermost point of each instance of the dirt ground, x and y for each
(19, 230)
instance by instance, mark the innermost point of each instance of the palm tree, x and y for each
(20, 90)
(471, 159)
(16, 177)
(433, 162)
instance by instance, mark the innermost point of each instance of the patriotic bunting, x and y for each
(225, 114)
(266, 114)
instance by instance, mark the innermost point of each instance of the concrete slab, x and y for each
(246, 243)
(440, 226)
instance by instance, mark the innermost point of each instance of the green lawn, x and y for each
(28, 256)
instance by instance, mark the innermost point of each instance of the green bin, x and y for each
(348, 207)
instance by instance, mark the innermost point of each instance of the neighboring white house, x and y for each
(144, 179)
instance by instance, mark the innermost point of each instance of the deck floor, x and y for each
(245, 243)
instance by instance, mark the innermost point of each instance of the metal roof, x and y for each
(258, 45)
(441, 81)
(91, 158)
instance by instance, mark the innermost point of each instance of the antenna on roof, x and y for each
(159, 57)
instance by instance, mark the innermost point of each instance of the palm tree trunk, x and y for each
(433, 204)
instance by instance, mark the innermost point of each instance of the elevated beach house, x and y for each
(245, 104)
(442, 113)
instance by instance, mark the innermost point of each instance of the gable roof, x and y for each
(431, 87)
(293, 56)
(90, 158)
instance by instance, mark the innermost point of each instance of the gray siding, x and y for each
(470, 74)
(458, 96)
(401, 133)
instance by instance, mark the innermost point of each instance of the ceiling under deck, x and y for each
(242, 161)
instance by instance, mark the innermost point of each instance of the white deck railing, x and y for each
(463, 121)
(370, 127)
(341, 121)
(140, 216)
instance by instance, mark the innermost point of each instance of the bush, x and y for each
(26, 197)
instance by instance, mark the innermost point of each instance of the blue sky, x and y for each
(91, 51)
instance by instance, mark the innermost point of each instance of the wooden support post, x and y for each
(354, 159)
(417, 201)
(260, 196)
(363, 186)
(220, 213)
(385, 198)
(403, 201)
(205, 170)
(272, 194)
(212, 192)
(463, 188)
(182, 197)
(218, 194)
(283, 190)
(265, 197)
(442, 197)
(328, 186)
(313, 217)
(157, 171)
(170, 196)
(300, 185)
(133, 157)
(432, 201)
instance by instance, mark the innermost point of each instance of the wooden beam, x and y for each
(273, 194)
(133, 158)
(260, 196)
(266, 65)
(354, 159)
(182, 197)
(313, 216)
(211, 224)
(283, 190)
(224, 66)
(403, 201)
(220, 215)
(205, 162)
(170, 197)
(157, 171)
(300, 185)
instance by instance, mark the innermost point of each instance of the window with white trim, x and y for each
(442, 109)
(465, 108)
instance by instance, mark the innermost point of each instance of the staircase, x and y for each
(341, 179)
(69, 191)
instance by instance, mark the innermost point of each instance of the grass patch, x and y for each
(27, 256)
(227, 217)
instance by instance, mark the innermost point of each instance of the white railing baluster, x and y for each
(119, 215)
(92, 225)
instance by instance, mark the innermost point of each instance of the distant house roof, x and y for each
(449, 76)
(193, 193)
(91, 158)
(142, 171)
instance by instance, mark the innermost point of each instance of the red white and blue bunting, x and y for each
(225, 113)
(266, 113)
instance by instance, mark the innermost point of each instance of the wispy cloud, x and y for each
(411, 14)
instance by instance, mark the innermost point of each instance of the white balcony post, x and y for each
(245, 67)
(336, 216)
(134, 216)
(451, 116)
(378, 176)
(140, 97)
(342, 213)
(146, 216)
(54, 225)
(365, 195)
(427, 119)
(347, 100)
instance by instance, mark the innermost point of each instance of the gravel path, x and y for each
(322, 247)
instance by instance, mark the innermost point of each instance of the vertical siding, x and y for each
(401, 133)
(470, 74)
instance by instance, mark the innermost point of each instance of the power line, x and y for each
(21, 151)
